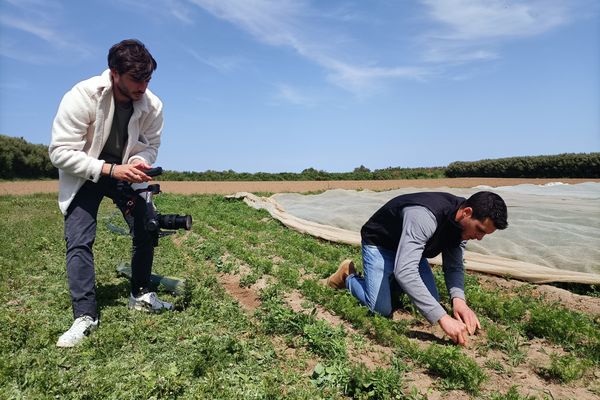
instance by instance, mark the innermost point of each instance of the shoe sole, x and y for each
(148, 309)
(66, 345)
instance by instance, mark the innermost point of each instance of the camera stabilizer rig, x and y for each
(153, 220)
(153, 223)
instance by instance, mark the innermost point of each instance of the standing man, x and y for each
(398, 239)
(106, 133)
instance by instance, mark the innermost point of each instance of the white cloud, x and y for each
(290, 94)
(457, 54)
(158, 10)
(472, 30)
(455, 32)
(39, 21)
(482, 19)
(46, 34)
(220, 63)
(276, 23)
(289, 23)
(361, 79)
(41, 9)
(15, 52)
(179, 11)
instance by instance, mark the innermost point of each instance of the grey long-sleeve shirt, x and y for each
(419, 225)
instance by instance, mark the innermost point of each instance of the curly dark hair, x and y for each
(131, 56)
(488, 205)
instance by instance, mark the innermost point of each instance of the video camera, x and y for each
(155, 221)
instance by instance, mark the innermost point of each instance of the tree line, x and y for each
(20, 159)
(566, 165)
(308, 174)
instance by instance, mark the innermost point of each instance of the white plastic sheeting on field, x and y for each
(553, 233)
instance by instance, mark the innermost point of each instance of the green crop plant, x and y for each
(494, 305)
(317, 336)
(325, 340)
(288, 275)
(489, 303)
(564, 368)
(249, 279)
(278, 319)
(512, 394)
(384, 330)
(495, 365)
(226, 266)
(573, 330)
(457, 370)
(358, 382)
(464, 373)
(508, 341)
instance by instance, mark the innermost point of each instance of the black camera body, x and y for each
(155, 222)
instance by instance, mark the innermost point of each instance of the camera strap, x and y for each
(127, 196)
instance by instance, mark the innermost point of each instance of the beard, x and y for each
(124, 90)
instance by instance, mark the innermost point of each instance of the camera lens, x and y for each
(152, 225)
(174, 221)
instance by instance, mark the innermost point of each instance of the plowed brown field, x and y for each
(196, 187)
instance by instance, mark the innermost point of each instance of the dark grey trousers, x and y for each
(80, 234)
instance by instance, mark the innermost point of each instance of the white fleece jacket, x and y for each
(82, 126)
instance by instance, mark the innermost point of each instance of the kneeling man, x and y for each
(398, 239)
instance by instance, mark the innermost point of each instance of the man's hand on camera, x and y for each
(140, 164)
(132, 173)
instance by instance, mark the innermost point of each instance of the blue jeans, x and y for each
(378, 286)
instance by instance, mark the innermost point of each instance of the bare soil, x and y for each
(199, 187)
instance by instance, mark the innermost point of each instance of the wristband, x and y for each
(110, 173)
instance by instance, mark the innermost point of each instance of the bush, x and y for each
(20, 159)
(567, 165)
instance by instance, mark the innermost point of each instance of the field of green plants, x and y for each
(256, 322)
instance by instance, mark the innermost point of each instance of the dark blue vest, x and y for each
(384, 228)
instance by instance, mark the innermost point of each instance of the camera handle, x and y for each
(154, 171)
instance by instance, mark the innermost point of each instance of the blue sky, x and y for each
(256, 85)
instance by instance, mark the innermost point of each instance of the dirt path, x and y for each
(29, 187)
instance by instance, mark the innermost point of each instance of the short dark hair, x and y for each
(488, 205)
(131, 56)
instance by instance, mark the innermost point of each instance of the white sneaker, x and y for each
(81, 328)
(148, 302)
